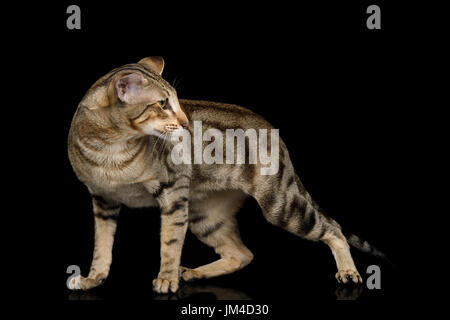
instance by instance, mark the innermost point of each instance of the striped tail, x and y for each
(363, 245)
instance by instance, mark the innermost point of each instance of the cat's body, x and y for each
(113, 154)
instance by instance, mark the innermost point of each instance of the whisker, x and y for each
(176, 82)
(166, 139)
(161, 149)
(156, 142)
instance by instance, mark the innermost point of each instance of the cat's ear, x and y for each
(129, 88)
(153, 63)
(96, 98)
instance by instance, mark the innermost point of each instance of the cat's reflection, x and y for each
(348, 292)
(190, 291)
(83, 295)
(187, 291)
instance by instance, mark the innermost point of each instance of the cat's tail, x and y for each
(363, 246)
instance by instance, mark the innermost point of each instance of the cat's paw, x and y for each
(344, 276)
(188, 274)
(161, 285)
(82, 283)
(74, 283)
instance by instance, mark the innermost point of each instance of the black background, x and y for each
(332, 87)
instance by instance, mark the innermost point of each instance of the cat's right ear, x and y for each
(129, 88)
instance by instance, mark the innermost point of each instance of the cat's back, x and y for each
(222, 115)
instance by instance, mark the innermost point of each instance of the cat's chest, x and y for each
(132, 186)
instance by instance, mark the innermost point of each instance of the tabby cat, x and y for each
(113, 148)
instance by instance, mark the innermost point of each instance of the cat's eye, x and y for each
(162, 103)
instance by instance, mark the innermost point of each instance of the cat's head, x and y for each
(136, 99)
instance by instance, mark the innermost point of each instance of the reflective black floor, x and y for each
(210, 292)
(314, 284)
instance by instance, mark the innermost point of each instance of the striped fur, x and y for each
(121, 164)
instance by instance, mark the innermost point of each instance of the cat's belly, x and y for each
(133, 196)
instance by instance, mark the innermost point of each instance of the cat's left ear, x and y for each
(153, 63)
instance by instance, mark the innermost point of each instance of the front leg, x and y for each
(173, 200)
(106, 213)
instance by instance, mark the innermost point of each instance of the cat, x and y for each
(119, 146)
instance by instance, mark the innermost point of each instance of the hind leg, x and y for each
(304, 219)
(341, 252)
(212, 221)
(292, 208)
